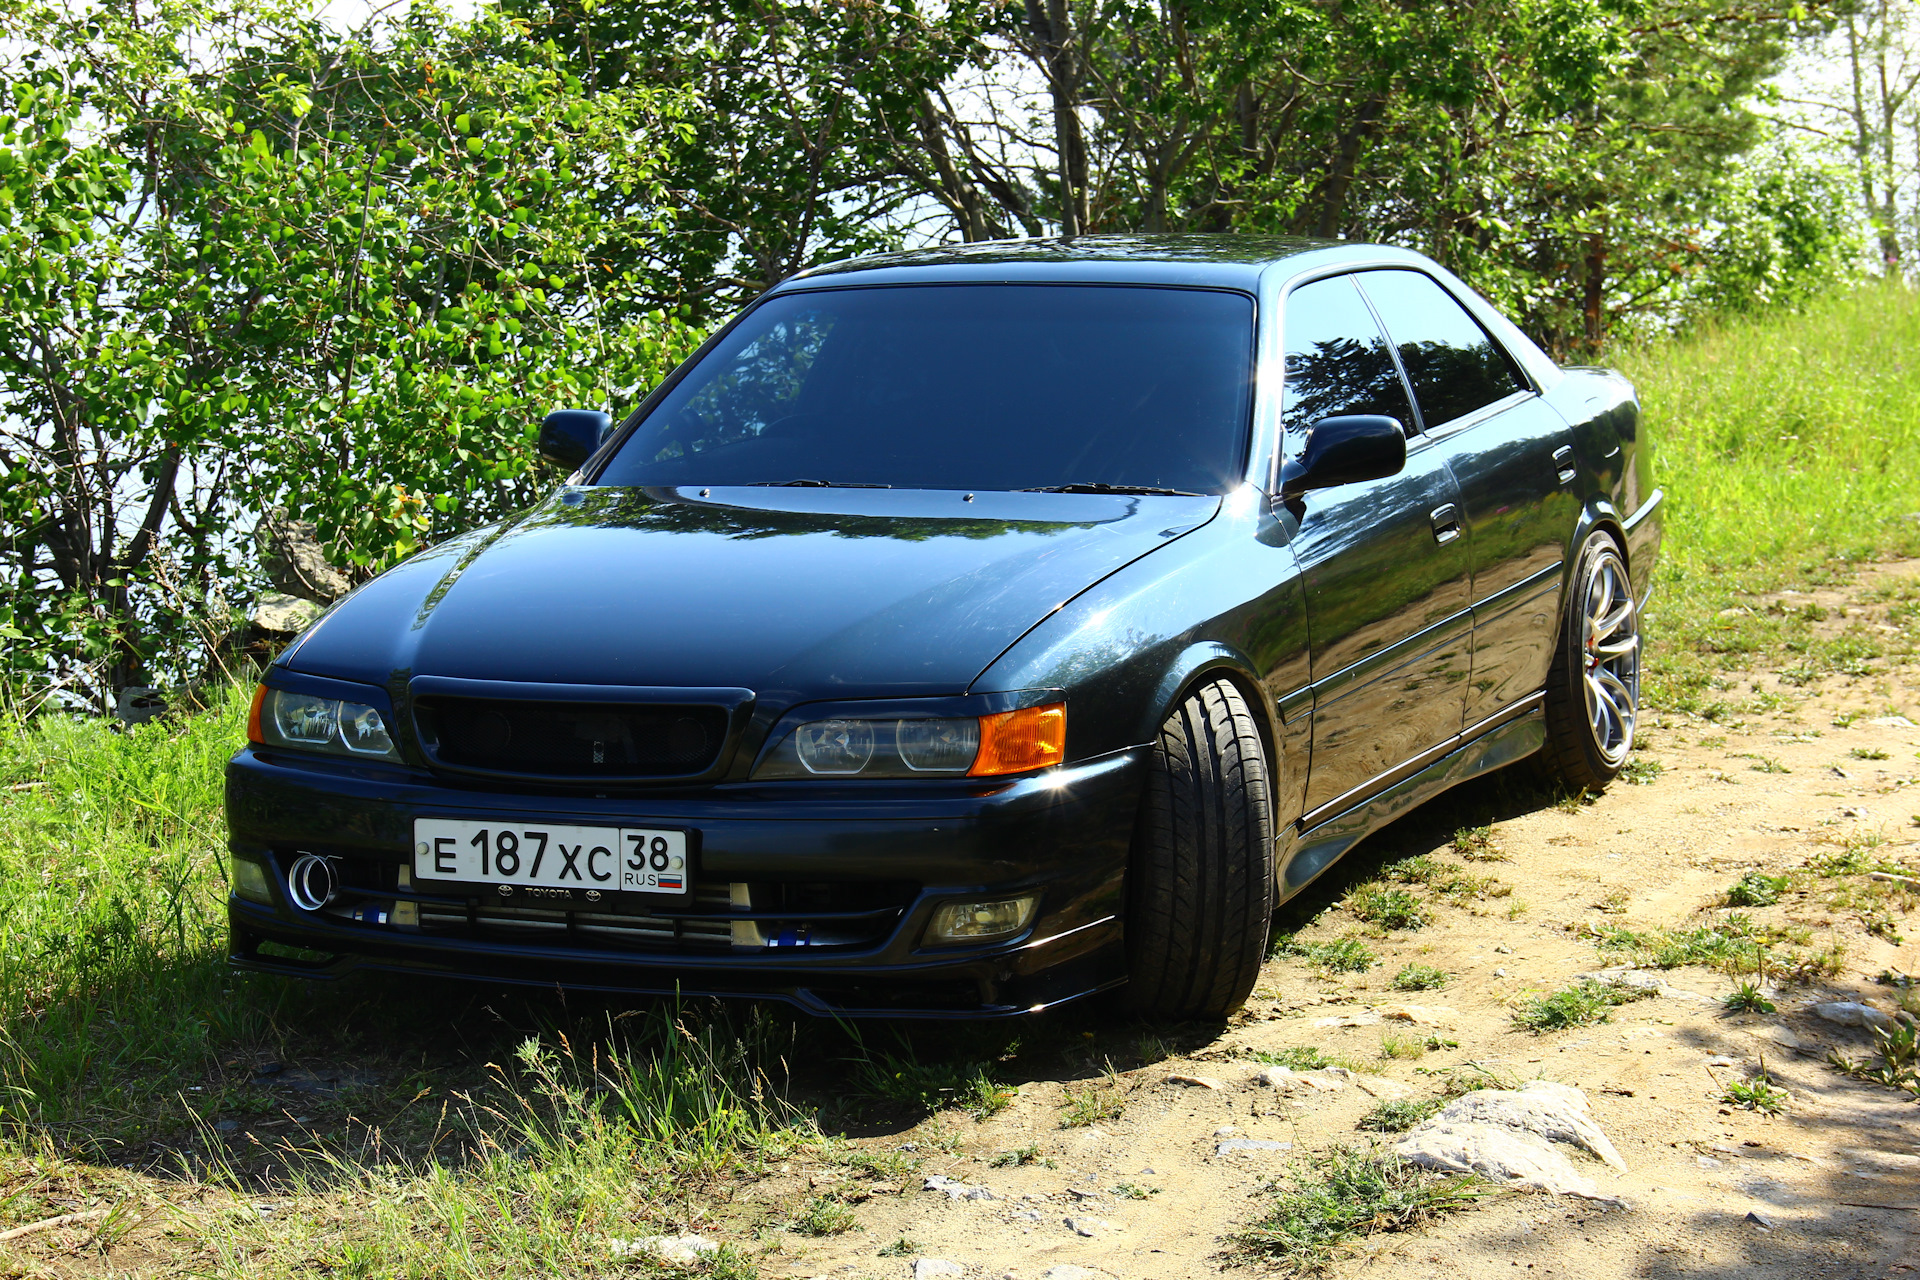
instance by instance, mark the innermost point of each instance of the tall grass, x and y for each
(1786, 443)
(112, 891)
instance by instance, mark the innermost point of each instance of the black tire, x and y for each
(1200, 879)
(1593, 691)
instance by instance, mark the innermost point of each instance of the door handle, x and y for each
(1563, 461)
(1446, 523)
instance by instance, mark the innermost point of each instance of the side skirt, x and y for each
(1314, 850)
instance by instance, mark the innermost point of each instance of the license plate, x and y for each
(562, 863)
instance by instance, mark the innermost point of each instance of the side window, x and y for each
(1337, 360)
(1454, 366)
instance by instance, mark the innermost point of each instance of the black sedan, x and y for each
(962, 632)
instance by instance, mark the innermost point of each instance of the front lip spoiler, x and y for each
(1095, 966)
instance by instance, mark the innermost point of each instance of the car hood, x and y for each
(793, 593)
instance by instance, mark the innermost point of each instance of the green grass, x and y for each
(1093, 1102)
(1397, 1115)
(822, 1216)
(1757, 1094)
(1816, 414)
(1734, 944)
(1385, 907)
(1756, 889)
(1748, 998)
(1419, 977)
(1579, 1005)
(1306, 1057)
(1476, 844)
(1344, 955)
(900, 1076)
(1346, 1194)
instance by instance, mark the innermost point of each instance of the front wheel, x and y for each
(1200, 878)
(1593, 691)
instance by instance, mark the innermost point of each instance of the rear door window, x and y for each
(1454, 366)
(1337, 360)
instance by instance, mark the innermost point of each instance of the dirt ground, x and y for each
(1786, 777)
(1834, 1180)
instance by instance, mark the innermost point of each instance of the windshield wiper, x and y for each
(1095, 486)
(804, 483)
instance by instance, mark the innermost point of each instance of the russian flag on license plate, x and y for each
(674, 882)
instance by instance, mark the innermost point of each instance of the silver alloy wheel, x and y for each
(1610, 656)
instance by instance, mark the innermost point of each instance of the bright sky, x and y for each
(345, 15)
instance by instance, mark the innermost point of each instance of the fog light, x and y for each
(250, 881)
(977, 921)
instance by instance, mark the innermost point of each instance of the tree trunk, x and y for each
(1331, 197)
(1594, 292)
(1052, 29)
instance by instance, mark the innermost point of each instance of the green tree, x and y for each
(256, 263)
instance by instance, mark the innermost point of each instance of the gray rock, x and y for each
(294, 560)
(1284, 1079)
(934, 1268)
(1091, 1228)
(137, 704)
(1552, 1111)
(1849, 1013)
(956, 1189)
(1632, 979)
(283, 615)
(665, 1248)
(1765, 1224)
(1517, 1158)
(1225, 1131)
(1232, 1145)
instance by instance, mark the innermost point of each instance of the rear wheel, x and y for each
(1593, 692)
(1200, 879)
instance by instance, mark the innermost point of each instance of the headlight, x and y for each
(302, 721)
(976, 746)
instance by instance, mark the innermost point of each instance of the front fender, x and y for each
(1220, 600)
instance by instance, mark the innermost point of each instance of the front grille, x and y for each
(571, 739)
(638, 932)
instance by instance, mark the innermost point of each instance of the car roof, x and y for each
(1222, 260)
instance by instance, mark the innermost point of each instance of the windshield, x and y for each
(989, 387)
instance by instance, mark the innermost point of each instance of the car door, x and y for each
(1512, 457)
(1384, 563)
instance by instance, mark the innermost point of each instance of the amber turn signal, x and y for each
(253, 716)
(1017, 741)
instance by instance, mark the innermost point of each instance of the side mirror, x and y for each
(1346, 450)
(568, 437)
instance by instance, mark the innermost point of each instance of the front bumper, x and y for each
(1064, 834)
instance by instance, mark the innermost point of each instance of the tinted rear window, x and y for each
(1454, 366)
(963, 387)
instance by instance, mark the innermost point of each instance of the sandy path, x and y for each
(1836, 1178)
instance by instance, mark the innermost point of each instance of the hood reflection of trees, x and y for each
(648, 512)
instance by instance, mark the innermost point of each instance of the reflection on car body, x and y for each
(963, 632)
